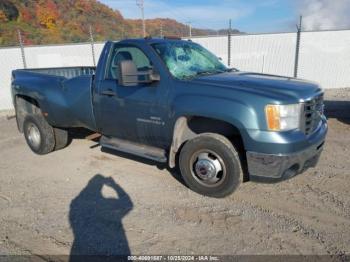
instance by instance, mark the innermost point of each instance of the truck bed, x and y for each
(67, 92)
(66, 72)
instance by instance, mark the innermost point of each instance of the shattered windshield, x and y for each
(187, 60)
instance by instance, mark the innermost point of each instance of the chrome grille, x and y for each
(313, 111)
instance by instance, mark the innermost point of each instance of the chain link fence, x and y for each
(324, 56)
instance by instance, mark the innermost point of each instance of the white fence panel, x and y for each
(98, 50)
(271, 54)
(10, 59)
(61, 55)
(266, 53)
(42, 57)
(325, 58)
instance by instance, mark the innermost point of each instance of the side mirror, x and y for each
(127, 73)
(129, 76)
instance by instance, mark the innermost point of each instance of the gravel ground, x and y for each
(86, 200)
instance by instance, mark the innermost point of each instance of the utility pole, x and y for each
(189, 28)
(20, 40)
(140, 4)
(229, 44)
(161, 29)
(123, 31)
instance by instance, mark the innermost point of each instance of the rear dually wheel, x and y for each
(38, 134)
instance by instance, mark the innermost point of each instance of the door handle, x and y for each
(109, 92)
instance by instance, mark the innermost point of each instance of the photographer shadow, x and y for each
(96, 221)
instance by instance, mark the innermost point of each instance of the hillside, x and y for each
(66, 21)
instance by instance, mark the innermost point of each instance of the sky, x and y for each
(252, 16)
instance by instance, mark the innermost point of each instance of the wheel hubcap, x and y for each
(208, 168)
(33, 135)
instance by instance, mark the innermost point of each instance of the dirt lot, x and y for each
(69, 200)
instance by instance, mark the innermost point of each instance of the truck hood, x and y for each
(268, 85)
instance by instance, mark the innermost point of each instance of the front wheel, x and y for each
(210, 165)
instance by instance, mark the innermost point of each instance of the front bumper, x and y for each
(277, 167)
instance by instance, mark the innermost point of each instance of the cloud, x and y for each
(324, 14)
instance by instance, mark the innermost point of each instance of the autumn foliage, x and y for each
(3, 17)
(47, 14)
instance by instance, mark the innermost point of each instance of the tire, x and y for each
(38, 134)
(61, 138)
(210, 165)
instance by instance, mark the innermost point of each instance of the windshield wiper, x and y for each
(201, 73)
(209, 72)
(231, 70)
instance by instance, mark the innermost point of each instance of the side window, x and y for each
(121, 53)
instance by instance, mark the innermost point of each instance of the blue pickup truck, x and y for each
(173, 101)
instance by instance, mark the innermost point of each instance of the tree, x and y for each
(3, 17)
(47, 14)
(26, 16)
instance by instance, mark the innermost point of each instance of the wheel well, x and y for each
(198, 125)
(25, 105)
(187, 128)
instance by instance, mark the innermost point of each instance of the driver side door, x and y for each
(133, 113)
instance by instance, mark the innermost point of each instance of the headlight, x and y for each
(283, 117)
